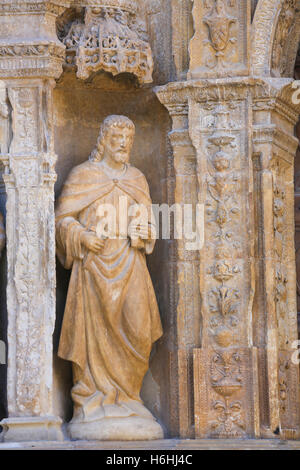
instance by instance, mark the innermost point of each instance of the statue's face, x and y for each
(118, 143)
(219, 6)
(221, 162)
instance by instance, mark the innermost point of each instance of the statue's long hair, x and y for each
(109, 122)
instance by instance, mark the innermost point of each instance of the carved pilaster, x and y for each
(27, 68)
(188, 324)
(219, 128)
(275, 312)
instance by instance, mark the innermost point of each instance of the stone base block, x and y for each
(132, 428)
(289, 434)
(46, 428)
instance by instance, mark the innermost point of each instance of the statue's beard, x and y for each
(121, 157)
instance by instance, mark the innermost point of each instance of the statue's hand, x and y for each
(92, 242)
(138, 235)
(138, 231)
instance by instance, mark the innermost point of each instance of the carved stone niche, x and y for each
(106, 35)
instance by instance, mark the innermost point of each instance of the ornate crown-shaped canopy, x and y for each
(111, 38)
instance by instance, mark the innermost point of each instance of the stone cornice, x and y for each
(128, 5)
(41, 49)
(267, 94)
(40, 65)
(56, 7)
(271, 134)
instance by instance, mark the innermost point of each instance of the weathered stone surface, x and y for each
(215, 127)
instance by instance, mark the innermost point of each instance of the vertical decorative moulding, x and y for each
(225, 382)
(29, 179)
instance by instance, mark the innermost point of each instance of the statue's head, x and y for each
(221, 161)
(220, 6)
(115, 139)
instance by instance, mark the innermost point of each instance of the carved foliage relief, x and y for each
(219, 161)
(219, 138)
(24, 102)
(227, 379)
(279, 169)
(281, 281)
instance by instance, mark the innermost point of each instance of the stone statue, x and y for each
(111, 317)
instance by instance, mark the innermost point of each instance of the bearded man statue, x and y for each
(111, 317)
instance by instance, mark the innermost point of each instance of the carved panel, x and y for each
(219, 139)
(222, 381)
(219, 129)
(24, 101)
(220, 44)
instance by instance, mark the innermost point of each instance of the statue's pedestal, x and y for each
(133, 428)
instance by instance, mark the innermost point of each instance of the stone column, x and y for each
(275, 309)
(30, 59)
(224, 397)
(244, 382)
(186, 282)
(224, 384)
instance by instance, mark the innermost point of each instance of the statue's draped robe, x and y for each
(111, 316)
